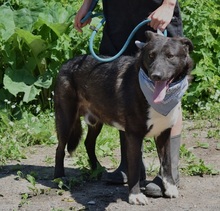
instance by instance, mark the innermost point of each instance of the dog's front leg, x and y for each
(133, 153)
(166, 163)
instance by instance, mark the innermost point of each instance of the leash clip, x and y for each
(93, 28)
(162, 33)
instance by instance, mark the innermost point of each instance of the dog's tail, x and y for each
(67, 118)
(75, 136)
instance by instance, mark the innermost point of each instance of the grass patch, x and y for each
(207, 118)
(107, 142)
(18, 133)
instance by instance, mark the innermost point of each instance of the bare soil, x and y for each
(195, 192)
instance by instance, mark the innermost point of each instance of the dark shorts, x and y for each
(122, 16)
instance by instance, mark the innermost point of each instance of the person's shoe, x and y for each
(154, 188)
(116, 177)
(119, 176)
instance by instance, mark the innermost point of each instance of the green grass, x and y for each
(18, 133)
(27, 130)
(207, 118)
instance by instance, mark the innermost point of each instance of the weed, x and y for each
(208, 120)
(213, 133)
(191, 165)
(31, 178)
(106, 143)
(149, 145)
(61, 185)
(49, 160)
(218, 146)
(96, 174)
(24, 199)
(108, 140)
(152, 169)
(203, 145)
(199, 168)
(18, 133)
(67, 184)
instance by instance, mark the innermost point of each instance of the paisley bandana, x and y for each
(173, 96)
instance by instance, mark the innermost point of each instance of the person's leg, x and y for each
(156, 188)
(119, 176)
(118, 24)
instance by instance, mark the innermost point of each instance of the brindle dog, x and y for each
(110, 93)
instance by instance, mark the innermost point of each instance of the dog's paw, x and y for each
(138, 199)
(171, 191)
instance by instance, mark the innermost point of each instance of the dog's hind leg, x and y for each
(67, 121)
(69, 133)
(90, 142)
(168, 163)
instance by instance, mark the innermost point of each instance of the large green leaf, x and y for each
(15, 87)
(57, 28)
(7, 25)
(24, 19)
(36, 44)
(44, 81)
(56, 13)
(56, 17)
(21, 81)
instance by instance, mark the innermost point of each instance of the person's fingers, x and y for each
(78, 25)
(160, 18)
(78, 28)
(162, 27)
(157, 23)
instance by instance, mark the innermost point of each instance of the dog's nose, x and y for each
(156, 76)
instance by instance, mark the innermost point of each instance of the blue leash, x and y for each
(95, 30)
(89, 13)
(124, 46)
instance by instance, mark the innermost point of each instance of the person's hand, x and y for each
(162, 16)
(81, 14)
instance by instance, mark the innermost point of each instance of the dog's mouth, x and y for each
(160, 90)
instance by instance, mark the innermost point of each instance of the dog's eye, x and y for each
(170, 56)
(151, 55)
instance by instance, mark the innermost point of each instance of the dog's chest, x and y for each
(159, 122)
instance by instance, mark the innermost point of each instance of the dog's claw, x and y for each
(171, 191)
(138, 199)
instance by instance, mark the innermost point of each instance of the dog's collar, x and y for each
(173, 96)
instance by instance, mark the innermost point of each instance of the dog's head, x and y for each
(165, 59)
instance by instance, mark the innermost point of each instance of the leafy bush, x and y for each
(36, 37)
(202, 26)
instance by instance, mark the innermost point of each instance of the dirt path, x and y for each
(195, 193)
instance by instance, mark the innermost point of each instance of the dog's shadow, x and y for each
(89, 193)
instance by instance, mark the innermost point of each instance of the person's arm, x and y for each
(81, 14)
(162, 16)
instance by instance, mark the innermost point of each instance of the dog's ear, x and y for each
(188, 43)
(149, 35)
(139, 44)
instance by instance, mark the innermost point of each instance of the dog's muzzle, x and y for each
(173, 95)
